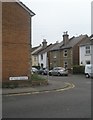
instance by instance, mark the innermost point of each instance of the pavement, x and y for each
(52, 86)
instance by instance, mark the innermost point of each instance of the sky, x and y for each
(53, 17)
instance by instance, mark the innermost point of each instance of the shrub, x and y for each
(38, 80)
(34, 80)
(78, 69)
(36, 77)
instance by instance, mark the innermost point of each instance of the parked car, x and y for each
(89, 70)
(58, 71)
(43, 71)
(34, 70)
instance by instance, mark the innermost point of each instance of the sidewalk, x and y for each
(53, 85)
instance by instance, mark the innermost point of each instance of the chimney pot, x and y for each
(44, 43)
(65, 37)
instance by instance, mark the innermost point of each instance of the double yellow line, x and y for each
(66, 87)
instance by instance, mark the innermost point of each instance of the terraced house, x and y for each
(66, 53)
(86, 51)
(40, 55)
(16, 40)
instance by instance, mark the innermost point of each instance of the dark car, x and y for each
(58, 71)
(43, 71)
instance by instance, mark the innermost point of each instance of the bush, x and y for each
(78, 69)
(34, 80)
(38, 80)
(36, 77)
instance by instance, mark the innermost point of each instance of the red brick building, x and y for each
(16, 40)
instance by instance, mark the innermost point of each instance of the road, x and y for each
(72, 103)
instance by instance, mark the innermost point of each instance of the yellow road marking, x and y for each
(67, 87)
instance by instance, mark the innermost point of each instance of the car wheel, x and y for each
(59, 74)
(66, 74)
(50, 74)
(87, 75)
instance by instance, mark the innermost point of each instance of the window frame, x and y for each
(87, 49)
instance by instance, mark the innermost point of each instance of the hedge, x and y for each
(78, 69)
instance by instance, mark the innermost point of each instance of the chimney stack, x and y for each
(65, 38)
(44, 43)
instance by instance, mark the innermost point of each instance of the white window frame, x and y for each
(87, 49)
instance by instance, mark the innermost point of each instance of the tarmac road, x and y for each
(71, 103)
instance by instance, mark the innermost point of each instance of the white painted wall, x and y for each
(83, 56)
(44, 61)
(92, 54)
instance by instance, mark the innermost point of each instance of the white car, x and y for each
(58, 71)
(89, 70)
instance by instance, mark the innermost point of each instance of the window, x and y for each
(87, 49)
(65, 64)
(41, 56)
(55, 55)
(65, 53)
(35, 58)
(87, 62)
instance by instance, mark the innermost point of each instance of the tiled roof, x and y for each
(56, 47)
(47, 49)
(87, 41)
(44, 49)
(36, 49)
(72, 41)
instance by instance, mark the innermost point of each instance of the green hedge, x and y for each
(36, 77)
(78, 69)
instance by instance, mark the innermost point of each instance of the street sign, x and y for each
(19, 78)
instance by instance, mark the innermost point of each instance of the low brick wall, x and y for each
(15, 84)
(35, 83)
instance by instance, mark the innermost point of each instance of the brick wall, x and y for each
(0, 42)
(15, 41)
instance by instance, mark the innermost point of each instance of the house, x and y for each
(92, 49)
(66, 53)
(86, 51)
(16, 41)
(34, 56)
(44, 56)
(1, 42)
(91, 17)
(41, 55)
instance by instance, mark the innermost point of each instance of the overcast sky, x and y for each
(53, 17)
